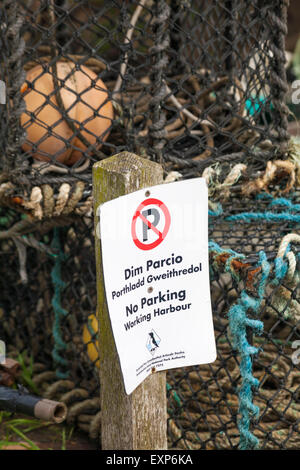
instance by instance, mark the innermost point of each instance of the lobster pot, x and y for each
(198, 86)
(186, 83)
(255, 289)
(254, 261)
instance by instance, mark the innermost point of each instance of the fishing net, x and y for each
(187, 84)
(52, 317)
(199, 87)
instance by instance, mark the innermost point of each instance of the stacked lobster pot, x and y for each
(198, 87)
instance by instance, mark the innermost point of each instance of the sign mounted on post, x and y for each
(156, 274)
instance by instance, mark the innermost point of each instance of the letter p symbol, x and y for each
(156, 218)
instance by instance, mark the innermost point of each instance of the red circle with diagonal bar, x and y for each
(137, 215)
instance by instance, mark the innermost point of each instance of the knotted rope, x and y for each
(283, 302)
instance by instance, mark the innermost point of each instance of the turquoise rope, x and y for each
(285, 202)
(239, 323)
(288, 215)
(265, 216)
(59, 312)
(175, 395)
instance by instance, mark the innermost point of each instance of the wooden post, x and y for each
(137, 421)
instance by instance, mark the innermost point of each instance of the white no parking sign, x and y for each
(155, 263)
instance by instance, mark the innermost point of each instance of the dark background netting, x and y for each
(204, 83)
(204, 80)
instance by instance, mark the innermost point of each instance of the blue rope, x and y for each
(268, 216)
(239, 322)
(214, 247)
(59, 345)
(265, 216)
(278, 210)
(262, 196)
(280, 267)
(285, 202)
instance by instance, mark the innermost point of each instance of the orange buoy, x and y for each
(86, 101)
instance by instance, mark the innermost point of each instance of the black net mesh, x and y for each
(196, 393)
(188, 84)
(202, 400)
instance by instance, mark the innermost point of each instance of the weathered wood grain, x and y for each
(137, 421)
